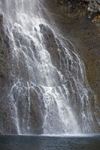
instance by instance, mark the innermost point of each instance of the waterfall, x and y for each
(49, 92)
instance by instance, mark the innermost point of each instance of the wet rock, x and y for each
(72, 19)
(1, 18)
(6, 122)
(51, 44)
(4, 54)
(93, 5)
(81, 25)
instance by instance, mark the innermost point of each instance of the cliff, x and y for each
(4, 55)
(79, 22)
(5, 66)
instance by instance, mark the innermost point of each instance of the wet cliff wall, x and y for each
(79, 21)
(4, 78)
(4, 55)
(8, 122)
(76, 23)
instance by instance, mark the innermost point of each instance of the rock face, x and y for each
(93, 5)
(4, 54)
(4, 80)
(79, 22)
(8, 122)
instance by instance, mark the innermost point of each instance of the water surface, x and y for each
(49, 142)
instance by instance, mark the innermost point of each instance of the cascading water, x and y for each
(49, 92)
